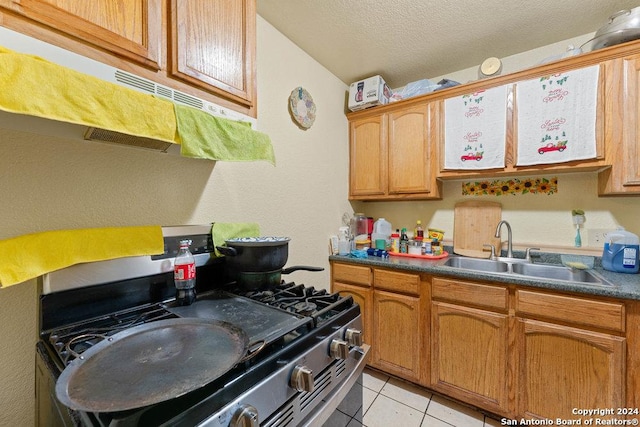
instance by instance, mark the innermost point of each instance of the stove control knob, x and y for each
(339, 349)
(245, 416)
(353, 337)
(302, 379)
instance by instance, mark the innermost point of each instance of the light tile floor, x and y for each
(390, 402)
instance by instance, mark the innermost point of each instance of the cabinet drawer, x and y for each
(355, 274)
(399, 282)
(579, 311)
(493, 297)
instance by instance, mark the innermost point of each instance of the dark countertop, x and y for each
(624, 286)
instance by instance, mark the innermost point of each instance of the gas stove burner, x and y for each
(305, 308)
(82, 343)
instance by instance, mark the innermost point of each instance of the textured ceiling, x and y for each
(408, 40)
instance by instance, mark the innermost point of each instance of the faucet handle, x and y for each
(493, 250)
(527, 255)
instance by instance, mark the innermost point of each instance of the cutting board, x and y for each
(475, 225)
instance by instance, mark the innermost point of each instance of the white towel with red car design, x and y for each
(475, 129)
(557, 117)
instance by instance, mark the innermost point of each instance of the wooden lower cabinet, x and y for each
(469, 358)
(514, 351)
(364, 298)
(397, 334)
(561, 368)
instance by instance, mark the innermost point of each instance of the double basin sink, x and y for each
(520, 267)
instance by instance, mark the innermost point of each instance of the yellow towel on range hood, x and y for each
(204, 136)
(34, 86)
(27, 257)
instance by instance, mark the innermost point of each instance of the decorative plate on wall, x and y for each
(302, 107)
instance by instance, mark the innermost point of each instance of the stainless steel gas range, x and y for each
(304, 350)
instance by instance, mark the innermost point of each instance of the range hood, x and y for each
(24, 44)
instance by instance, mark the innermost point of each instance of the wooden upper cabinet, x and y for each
(393, 156)
(622, 128)
(213, 46)
(409, 156)
(129, 29)
(368, 157)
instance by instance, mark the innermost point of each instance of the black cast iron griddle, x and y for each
(261, 322)
(151, 363)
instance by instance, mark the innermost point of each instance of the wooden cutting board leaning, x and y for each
(475, 225)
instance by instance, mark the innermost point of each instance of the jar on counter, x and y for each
(415, 247)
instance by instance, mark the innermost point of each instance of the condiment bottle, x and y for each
(418, 233)
(404, 242)
(395, 242)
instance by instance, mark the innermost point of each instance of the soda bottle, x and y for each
(184, 274)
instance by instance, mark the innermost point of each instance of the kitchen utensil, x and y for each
(474, 226)
(623, 26)
(252, 281)
(256, 253)
(151, 363)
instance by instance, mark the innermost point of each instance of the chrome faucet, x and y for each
(509, 238)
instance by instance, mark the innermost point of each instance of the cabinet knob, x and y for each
(302, 379)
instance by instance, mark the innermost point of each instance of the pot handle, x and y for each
(619, 13)
(301, 267)
(226, 250)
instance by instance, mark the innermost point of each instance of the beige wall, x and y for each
(54, 184)
(48, 184)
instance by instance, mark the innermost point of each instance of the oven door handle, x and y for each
(330, 403)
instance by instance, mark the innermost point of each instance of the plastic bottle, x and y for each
(381, 230)
(418, 233)
(404, 242)
(184, 274)
(620, 252)
(344, 245)
(395, 242)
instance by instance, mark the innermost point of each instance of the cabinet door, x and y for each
(131, 29)
(622, 127)
(397, 334)
(469, 355)
(368, 156)
(364, 298)
(409, 151)
(213, 46)
(562, 368)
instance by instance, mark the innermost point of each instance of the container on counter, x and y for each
(344, 244)
(358, 228)
(436, 234)
(418, 232)
(363, 244)
(620, 252)
(404, 242)
(415, 247)
(395, 242)
(381, 230)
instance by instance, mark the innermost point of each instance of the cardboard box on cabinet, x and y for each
(368, 93)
